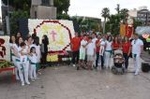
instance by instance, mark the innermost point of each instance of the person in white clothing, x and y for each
(94, 39)
(102, 50)
(137, 47)
(90, 53)
(18, 61)
(24, 51)
(82, 52)
(14, 54)
(108, 51)
(33, 62)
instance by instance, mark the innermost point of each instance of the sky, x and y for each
(93, 8)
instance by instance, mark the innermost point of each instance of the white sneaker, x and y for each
(22, 84)
(28, 83)
(74, 65)
(136, 74)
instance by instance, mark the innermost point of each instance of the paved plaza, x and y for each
(65, 82)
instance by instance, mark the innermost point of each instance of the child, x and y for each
(33, 62)
(91, 51)
(82, 52)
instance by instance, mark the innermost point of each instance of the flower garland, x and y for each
(62, 25)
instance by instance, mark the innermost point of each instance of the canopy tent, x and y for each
(142, 30)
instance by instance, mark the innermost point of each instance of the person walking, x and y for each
(137, 47)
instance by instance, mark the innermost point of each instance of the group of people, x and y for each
(90, 50)
(26, 54)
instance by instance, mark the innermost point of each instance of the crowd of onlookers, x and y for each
(90, 50)
(26, 54)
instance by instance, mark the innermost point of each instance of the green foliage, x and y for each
(15, 16)
(87, 24)
(62, 5)
(137, 23)
(63, 16)
(105, 13)
(4, 64)
(19, 4)
(113, 23)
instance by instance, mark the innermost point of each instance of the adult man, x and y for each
(137, 47)
(75, 45)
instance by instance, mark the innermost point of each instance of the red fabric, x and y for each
(115, 45)
(129, 31)
(126, 46)
(75, 43)
(97, 47)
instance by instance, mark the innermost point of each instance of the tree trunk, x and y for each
(104, 26)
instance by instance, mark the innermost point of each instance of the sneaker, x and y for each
(74, 65)
(28, 83)
(135, 74)
(22, 84)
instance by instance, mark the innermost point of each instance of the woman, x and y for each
(126, 49)
(116, 43)
(102, 50)
(24, 51)
(14, 54)
(18, 61)
(98, 42)
(44, 50)
(108, 51)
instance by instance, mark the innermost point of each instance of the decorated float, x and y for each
(59, 33)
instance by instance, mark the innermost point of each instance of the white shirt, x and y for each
(33, 58)
(23, 58)
(14, 46)
(90, 49)
(136, 46)
(83, 43)
(108, 46)
(94, 41)
(38, 51)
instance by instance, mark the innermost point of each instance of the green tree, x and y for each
(124, 15)
(105, 14)
(15, 16)
(19, 4)
(62, 8)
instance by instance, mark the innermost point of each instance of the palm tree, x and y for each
(124, 14)
(105, 14)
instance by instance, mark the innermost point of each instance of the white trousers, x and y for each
(107, 59)
(16, 69)
(23, 69)
(137, 63)
(33, 74)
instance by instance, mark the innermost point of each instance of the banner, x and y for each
(122, 29)
(4, 48)
(129, 31)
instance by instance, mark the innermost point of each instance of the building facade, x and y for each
(143, 15)
(43, 9)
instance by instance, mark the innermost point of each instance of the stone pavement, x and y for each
(65, 82)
